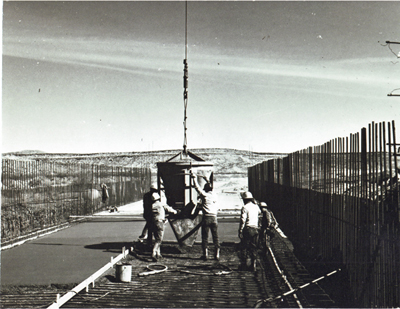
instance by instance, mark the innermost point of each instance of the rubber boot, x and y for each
(155, 252)
(216, 255)
(205, 255)
(159, 256)
(253, 265)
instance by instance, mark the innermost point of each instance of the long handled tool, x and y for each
(262, 301)
(280, 232)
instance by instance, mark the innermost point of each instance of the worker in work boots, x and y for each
(210, 222)
(157, 225)
(147, 215)
(248, 230)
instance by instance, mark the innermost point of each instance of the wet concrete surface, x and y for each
(189, 282)
(34, 273)
(71, 255)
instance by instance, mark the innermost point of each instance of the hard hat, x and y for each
(263, 204)
(155, 196)
(153, 186)
(247, 195)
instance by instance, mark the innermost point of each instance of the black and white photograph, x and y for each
(200, 154)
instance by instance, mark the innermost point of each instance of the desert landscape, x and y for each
(230, 165)
(51, 187)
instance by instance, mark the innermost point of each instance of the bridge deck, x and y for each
(191, 282)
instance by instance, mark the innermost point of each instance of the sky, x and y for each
(265, 76)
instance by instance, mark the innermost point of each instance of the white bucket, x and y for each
(123, 272)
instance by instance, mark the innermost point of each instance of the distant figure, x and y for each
(210, 222)
(147, 215)
(267, 224)
(248, 230)
(157, 224)
(105, 197)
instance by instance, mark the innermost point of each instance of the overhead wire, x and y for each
(388, 45)
(397, 56)
(393, 94)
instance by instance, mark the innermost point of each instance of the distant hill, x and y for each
(25, 152)
(226, 161)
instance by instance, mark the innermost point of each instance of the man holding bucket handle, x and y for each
(157, 225)
(210, 222)
(248, 230)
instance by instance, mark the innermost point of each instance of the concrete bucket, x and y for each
(173, 177)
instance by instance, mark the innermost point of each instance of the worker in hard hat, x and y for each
(267, 224)
(248, 230)
(147, 214)
(210, 210)
(157, 225)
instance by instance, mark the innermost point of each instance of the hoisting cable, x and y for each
(185, 85)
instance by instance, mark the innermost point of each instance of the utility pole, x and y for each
(398, 56)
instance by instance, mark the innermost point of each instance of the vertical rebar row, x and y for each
(38, 194)
(347, 205)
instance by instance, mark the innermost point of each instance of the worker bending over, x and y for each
(268, 224)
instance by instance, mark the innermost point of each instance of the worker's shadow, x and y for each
(114, 247)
